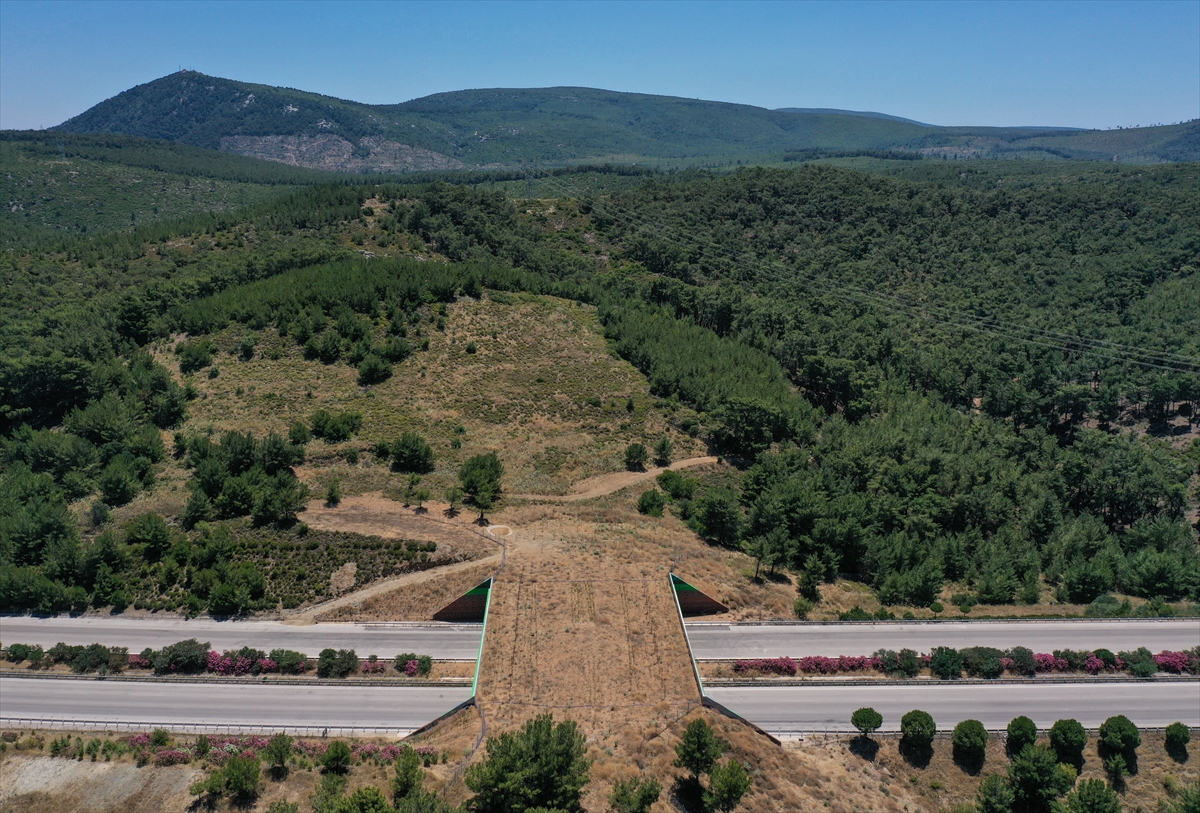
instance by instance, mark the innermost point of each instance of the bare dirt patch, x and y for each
(37, 784)
(604, 484)
(342, 579)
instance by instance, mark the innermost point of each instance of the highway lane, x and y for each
(271, 708)
(710, 641)
(439, 641)
(784, 709)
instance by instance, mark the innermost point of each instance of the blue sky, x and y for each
(1081, 64)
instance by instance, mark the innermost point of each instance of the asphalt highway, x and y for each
(267, 708)
(713, 641)
(793, 709)
(439, 641)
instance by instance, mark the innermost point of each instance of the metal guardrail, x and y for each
(818, 682)
(53, 724)
(942, 734)
(4, 673)
(935, 621)
(405, 625)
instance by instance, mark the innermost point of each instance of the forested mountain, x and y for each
(982, 375)
(507, 127)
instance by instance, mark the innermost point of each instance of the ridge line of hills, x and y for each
(506, 127)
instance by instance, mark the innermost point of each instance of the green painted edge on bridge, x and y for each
(487, 585)
(681, 586)
(687, 639)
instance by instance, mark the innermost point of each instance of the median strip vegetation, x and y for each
(948, 663)
(192, 657)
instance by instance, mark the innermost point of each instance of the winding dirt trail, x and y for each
(608, 483)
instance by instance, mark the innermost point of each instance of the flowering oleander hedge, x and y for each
(1139, 663)
(768, 666)
(172, 756)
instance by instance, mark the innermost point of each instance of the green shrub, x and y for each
(945, 662)
(699, 749)
(291, 662)
(1037, 779)
(727, 785)
(335, 428)
(1140, 663)
(1023, 661)
(1178, 735)
(411, 454)
(1092, 796)
(1119, 734)
(337, 757)
(970, 740)
(1021, 732)
(676, 485)
(549, 759)
(338, 663)
(866, 720)
(802, 607)
(184, 657)
(982, 661)
(917, 729)
(1068, 738)
(995, 795)
(651, 502)
(634, 795)
(855, 613)
(17, 653)
(636, 457)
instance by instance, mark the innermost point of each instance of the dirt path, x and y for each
(309, 614)
(608, 483)
(462, 545)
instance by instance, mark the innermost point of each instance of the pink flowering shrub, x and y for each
(240, 662)
(310, 749)
(364, 750)
(138, 740)
(769, 666)
(370, 667)
(388, 753)
(1045, 662)
(1093, 665)
(138, 662)
(410, 668)
(172, 756)
(1176, 662)
(1007, 664)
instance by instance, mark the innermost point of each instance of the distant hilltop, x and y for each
(504, 127)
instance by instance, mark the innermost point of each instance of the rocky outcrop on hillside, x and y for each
(334, 153)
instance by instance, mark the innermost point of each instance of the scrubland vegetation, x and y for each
(880, 357)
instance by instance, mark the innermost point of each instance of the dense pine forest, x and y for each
(986, 376)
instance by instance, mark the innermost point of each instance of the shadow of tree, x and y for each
(916, 756)
(864, 747)
(688, 795)
(970, 762)
(1179, 753)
